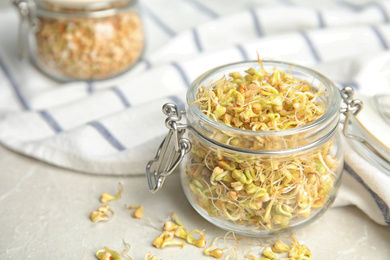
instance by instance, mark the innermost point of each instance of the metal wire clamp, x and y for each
(174, 146)
(354, 106)
(171, 151)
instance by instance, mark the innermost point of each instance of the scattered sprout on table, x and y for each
(255, 258)
(170, 226)
(104, 213)
(280, 250)
(298, 251)
(200, 242)
(174, 228)
(106, 197)
(138, 212)
(176, 219)
(149, 256)
(218, 252)
(267, 252)
(280, 247)
(127, 249)
(107, 254)
(166, 239)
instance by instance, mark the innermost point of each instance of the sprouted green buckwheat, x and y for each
(89, 48)
(264, 192)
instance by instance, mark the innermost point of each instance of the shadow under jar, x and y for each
(254, 182)
(83, 40)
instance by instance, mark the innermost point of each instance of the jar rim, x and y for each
(331, 112)
(103, 8)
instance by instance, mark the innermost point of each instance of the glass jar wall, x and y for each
(263, 182)
(85, 40)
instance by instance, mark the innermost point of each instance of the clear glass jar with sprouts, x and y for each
(263, 148)
(81, 39)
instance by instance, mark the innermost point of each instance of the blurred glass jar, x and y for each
(81, 40)
(256, 183)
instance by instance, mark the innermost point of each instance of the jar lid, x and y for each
(74, 2)
(75, 5)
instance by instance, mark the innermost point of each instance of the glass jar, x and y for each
(82, 40)
(256, 183)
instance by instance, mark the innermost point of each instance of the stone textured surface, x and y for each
(45, 215)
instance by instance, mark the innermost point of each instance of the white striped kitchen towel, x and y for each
(115, 126)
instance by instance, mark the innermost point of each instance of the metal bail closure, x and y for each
(354, 106)
(27, 22)
(171, 151)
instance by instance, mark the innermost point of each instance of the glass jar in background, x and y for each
(82, 40)
(255, 183)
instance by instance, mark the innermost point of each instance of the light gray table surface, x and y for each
(45, 215)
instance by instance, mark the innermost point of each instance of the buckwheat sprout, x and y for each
(148, 256)
(200, 242)
(216, 252)
(209, 113)
(298, 251)
(280, 247)
(176, 219)
(205, 159)
(224, 185)
(255, 258)
(208, 186)
(138, 212)
(104, 213)
(233, 238)
(107, 254)
(267, 252)
(127, 249)
(322, 161)
(106, 197)
(231, 186)
(166, 239)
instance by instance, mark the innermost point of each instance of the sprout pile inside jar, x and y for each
(88, 44)
(265, 192)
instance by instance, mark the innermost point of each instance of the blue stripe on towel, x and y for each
(256, 22)
(147, 63)
(158, 21)
(357, 8)
(383, 11)
(382, 40)
(14, 85)
(203, 8)
(182, 73)
(121, 96)
(107, 135)
(349, 5)
(197, 39)
(50, 120)
(311, 46)
(320, 18)
(242, 52)
(90, 87)
(378, 200)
